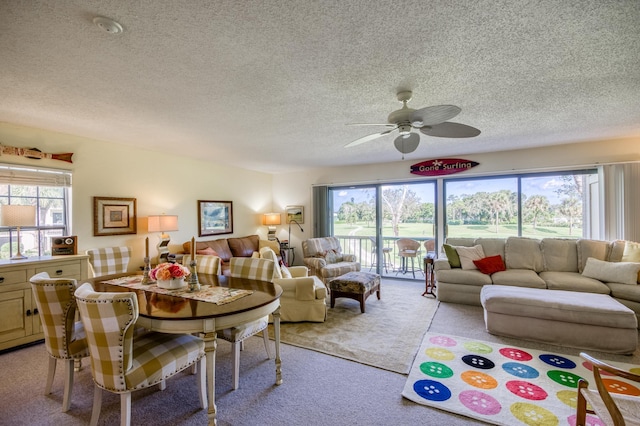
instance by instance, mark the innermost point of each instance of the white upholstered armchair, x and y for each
(303, 296)
(325, 259)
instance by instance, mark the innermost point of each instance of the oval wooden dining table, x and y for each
(177, 314)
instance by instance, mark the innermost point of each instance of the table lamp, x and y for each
(271, 220)
(163, 224)
(18, 216)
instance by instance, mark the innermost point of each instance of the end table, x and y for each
(430, 281)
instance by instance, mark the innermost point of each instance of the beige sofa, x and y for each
(581, 265)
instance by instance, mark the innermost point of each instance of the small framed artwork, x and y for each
(215, 217)
(295, 214)
(114, 216)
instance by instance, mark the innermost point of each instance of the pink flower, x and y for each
(176, 271)
(167, 271)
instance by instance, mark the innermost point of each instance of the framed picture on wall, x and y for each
(295, 214)
(215, 217)
(114, 216)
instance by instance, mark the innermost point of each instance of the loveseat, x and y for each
(578, 265)
(226, 248)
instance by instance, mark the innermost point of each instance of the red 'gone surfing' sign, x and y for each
(445, 166)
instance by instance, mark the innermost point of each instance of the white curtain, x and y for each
(620, 189)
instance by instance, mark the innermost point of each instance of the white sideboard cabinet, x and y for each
(19, 318)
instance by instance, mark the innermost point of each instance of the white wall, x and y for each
(168, 183)
(160, 182)
(295, 188)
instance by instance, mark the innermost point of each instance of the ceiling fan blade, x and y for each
(450, 130)
(434, 115)
(368, 138)
(407, 143)
(371, 124)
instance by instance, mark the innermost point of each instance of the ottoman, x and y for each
(563, 318)
(354, 285)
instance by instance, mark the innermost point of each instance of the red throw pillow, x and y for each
(490, 265)
(208, 251)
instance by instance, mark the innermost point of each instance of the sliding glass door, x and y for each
(370, 221)
(355, 220)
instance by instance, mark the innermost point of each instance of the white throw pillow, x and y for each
(612, 272)
(286, 273)
(468, 255)
(267, 253)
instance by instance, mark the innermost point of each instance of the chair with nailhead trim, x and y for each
(63, 336)
(121, 361)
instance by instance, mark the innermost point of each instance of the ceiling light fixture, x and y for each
(108, 25)
(407, 143)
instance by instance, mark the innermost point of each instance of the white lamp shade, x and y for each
(163, 223)
(18, 215)
(271, 219)
(407, 143)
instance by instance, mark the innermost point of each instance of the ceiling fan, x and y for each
(430, 121)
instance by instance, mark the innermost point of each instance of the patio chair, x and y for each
(408, 249)
(386, 256)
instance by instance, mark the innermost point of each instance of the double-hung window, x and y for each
(47, 189)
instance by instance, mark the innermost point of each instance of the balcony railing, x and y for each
(365, 250)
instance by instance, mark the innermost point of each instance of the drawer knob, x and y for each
(28, 312)
(59, 272)
(1, 279)
(35, 311)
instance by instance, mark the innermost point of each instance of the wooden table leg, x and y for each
(210, 345)
(276, 332)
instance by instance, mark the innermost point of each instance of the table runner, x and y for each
(207, 293)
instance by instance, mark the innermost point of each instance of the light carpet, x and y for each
(500, 383)
(386, 336)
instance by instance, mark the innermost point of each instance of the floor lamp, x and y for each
(290, 222)
(18, 216)
(163, 224)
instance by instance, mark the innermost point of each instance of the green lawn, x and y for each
(426, 230)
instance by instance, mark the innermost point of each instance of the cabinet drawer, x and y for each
(66, 270)
(13, 277)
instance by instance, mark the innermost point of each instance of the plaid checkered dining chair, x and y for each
(64, 337)
(109, 260)
(121, 361)
(253, 269)
(205, 263)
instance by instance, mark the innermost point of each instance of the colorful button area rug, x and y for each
(502, 384)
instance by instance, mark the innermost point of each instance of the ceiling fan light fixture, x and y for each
(405, 129)
(407, 144)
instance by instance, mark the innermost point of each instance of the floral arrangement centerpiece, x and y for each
(169, 275)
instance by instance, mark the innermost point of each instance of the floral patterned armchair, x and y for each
(325, 259)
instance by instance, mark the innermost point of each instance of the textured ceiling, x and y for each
(271, 85)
